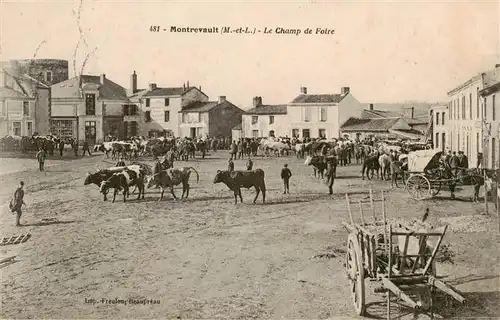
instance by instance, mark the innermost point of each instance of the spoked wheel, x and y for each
(435, 187)
(419, 187)
(356, 274)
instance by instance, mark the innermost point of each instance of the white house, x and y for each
(467, 113)
(491, 132)
(439, 127)
(321, 115)
(265, 120)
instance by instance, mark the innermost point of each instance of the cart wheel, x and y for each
(435, 187)
(418, 187)
(356, 273)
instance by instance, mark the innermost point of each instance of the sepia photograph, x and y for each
(249, 159)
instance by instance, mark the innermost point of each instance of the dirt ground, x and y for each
(208, 258)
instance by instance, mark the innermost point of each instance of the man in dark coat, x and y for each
(75, 147)
(40, 156)
(61, 148)
(230, 164)
(86, 148)
(286, 175)
(17, 202)
(331, 170)
(249, 164)
(454, 164)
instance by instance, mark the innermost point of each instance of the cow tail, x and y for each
(197, 175)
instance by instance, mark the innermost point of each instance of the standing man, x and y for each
(234, 150)
(479, 160)
(286, 174)
(331, 171)
(230, 164)
(75, 147)
(454, 164)
(86, 148)
(40, 156)
(17, 202)
(61, 148)
(249, 164)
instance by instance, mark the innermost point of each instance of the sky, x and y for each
(384, 51)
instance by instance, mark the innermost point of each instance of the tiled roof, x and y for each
(268, 109)
(70, 88)
(371, 114)
(410, 134)
(378, 125)
(161, 92)
(318, 98)
(200, 106)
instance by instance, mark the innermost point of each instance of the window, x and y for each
(271, 133)
(493, 115)
(184, 116)
(133, 128)
(443, 141)
(459, 143)
(485, 116)
(62, 128)
(148, 102)
(2, 108)
(132, 110)
(255, 133)
(48, 76)
(295, 133)
(305, 133)
(478, 149)
(90, 104)
(16, 128)
(470, 106)
(147, 116)
(306, 114)
(442, 118)
(493, 153)
(200, 117)
(436, 142)
(255, 119)
(167, 102)
(321, 133)
(271, 119)
(166, 116)
(463, 108)
(477, 102)
(26, 108)
(322, 114)
(437, 118)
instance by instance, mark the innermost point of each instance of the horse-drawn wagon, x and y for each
(398, 255)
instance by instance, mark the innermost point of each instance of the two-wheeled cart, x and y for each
(399, 256)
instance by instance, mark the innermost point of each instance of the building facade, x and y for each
(491, 123)
(24, 103)
(264, 120)
(439, 128)
(467, 113)
(321, 115)
(209, 119)
(88, 108)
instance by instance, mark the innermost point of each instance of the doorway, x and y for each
(193, 133)
(90, 132)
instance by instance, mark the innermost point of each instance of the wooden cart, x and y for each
(397, 256)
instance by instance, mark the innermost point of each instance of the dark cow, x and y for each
(173, 177)
(318, 163)
(246, 179)
(130, 176)
(98, 177)
(372, 164)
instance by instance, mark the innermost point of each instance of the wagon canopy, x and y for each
(421, 160)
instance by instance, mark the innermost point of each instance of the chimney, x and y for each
(257, 101)
(133, 83)
(184, 86)
(222, 99)
(152, 86)
(344, 90)
(303, 90)
(412, 112)
(199, 88)
(103, 76)
(187, 85)
(371, 106)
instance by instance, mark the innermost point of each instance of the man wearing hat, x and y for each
(331, 169)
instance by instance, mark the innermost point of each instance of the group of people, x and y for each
(456, 162)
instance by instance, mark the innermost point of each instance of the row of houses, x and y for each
(470, 122)
(328, 116)
(37, 96)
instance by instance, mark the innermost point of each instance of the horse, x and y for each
(370, 163)
(385, 165)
